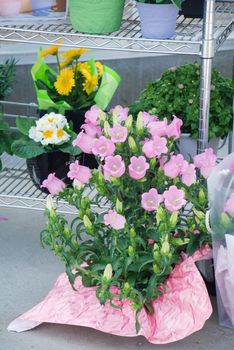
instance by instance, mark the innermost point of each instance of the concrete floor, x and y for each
(27, 273)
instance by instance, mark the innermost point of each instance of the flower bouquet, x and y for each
(75, 86)
(221, 197)
(47, 145)
(130, 262)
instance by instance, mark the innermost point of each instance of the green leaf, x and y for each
(5, 143)
(24, 125)
(151, 287)
(69, 148)
(3, 125)
(26, 148)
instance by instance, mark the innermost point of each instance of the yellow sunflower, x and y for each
(99, 67)
(91, 81)
(67, 62)
(65, 81)
(73, 54)
(52, 50)
(84, 66)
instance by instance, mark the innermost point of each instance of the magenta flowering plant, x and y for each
(156, 207)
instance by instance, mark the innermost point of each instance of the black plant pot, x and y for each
(51, 162)
(77, 118)
(192, 8)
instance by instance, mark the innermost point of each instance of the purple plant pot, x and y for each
(10, 8)
(157, 21)
(41, 7)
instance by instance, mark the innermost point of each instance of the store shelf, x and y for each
(18, 191)
(188, 38)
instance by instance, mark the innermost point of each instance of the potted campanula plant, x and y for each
(130, 263)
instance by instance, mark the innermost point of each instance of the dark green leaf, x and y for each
(24, 125)
(27, 148)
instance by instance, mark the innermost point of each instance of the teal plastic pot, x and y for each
(96, 16)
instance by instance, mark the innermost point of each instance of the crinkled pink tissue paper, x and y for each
(181, 311)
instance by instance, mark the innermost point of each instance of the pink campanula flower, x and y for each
(114, 166)
(138, 167)
(120, 112)
(103, 147)
(148, 118)
(189, 176)
(91, 129)
(173, 129)
(92, 116)
(175, 166)
(53, 184)
(206, 162)
(118, 133)
(158, 128)
(115, 220)
(79, 172)
(84, 142)
(151, 200)
(154, 148)
(174, 198)
(229, 206)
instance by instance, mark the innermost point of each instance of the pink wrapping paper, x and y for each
(182, 310)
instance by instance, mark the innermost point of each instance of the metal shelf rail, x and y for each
(188, 38)
(18, 191)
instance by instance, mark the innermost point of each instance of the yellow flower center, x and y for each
(50, 120)
(60, 132)
(118, 134)
(47, 134)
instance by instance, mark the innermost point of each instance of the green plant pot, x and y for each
(96, 16)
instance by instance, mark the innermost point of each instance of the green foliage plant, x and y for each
(5, 138)
(177, 92)
(7, 74)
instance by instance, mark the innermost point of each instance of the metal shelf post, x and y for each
(207, 55)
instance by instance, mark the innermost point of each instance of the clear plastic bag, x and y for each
(221, 197)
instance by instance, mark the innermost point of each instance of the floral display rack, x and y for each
(193, 37)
